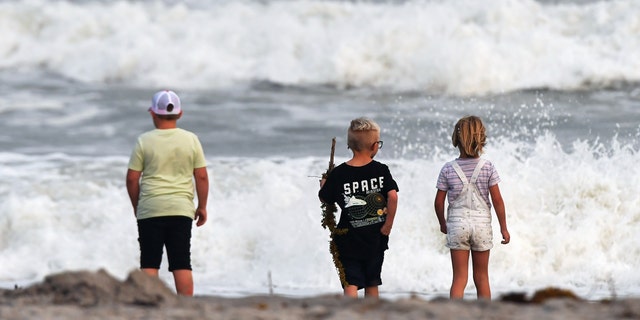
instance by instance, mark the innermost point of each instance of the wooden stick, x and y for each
(329, 221)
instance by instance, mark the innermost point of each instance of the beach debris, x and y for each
(545, 294)
(329, 221)
(540, 296)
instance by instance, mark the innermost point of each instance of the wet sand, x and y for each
(98, 295)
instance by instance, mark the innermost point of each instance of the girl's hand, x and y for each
(443, 228)
(506, 237)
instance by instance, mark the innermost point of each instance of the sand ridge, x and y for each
(98, 295)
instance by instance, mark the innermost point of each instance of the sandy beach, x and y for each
(98, 295)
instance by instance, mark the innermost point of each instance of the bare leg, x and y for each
(371, 292)
(351, 291)
(184, 282)
(481, 273)
(460, 263)
(150, 271)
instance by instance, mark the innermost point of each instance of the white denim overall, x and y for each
(468, 216)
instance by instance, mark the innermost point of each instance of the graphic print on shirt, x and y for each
(364, 203)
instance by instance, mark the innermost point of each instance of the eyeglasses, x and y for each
(380, 144)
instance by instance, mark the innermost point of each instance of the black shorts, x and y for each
(172, 232)
(363, 272)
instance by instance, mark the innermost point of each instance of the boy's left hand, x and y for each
(201, 216)
(386, 229)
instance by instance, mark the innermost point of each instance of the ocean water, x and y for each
(267, 84)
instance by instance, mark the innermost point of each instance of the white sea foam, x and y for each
(455, 47)
(573, 219)
(571, 200)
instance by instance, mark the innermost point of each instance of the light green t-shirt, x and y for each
(166, 159)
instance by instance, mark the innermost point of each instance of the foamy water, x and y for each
(267, 84)
(457, 47)
(573, 219)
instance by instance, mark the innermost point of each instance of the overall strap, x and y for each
(476, 171)
(460, 173)
(474, 176)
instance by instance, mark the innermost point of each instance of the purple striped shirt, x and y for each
(449, 181)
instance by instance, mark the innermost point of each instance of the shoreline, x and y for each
(98, 295)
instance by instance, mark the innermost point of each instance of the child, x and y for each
(468, 181)
(367, 196)
(167, 159)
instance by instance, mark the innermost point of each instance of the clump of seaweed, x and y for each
(545, 294)
(540, 296)
(329, 221)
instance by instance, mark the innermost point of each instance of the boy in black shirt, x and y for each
(367, 195)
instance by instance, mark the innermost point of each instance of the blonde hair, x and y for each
(359, 135)
(469, 136)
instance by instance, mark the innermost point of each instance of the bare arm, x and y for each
(498, 205)
(322, 182)
(133, 188)
(438, 204)
(202, 190)
(392, 206)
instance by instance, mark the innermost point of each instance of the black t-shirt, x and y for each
(361, 194)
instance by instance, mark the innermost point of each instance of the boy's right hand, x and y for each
(201, 216)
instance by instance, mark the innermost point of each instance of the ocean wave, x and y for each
(572, 216)
(460, 47)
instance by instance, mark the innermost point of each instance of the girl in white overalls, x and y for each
(468, 182)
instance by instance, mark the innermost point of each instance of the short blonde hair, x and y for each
(469, 136)
(359, 135)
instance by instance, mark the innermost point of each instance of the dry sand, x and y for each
(97, 295)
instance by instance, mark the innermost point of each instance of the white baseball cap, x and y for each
(165, 102)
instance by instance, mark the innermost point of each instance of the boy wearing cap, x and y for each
(160, 175)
